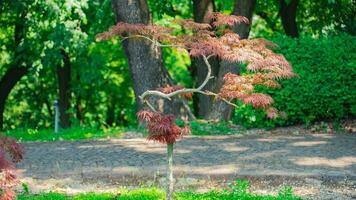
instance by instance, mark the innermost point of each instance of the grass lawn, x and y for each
(156, 194)
(74, 133)
(79, 133)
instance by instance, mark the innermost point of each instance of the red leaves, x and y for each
(211, 46)
(190, 24)
(162, 128)
(145, 115)
(257, 100)
(8, 178)
(124, 29)
(170, 89)
(230, 20)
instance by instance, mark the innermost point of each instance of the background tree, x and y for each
(145, 60)
(288, 12)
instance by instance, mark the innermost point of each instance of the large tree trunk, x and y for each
(15, 72)
(145, 60)
(7, 83)
(202, 103)
(64, 74)
(244, 8)
(221, 110)
(288, 12)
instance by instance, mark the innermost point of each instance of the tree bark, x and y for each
(7, 83)
(288, 13)
(244, 8)
(219, 109)
(145, 60)
(202, 103)
(64, 74)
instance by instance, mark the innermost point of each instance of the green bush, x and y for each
(325, 88)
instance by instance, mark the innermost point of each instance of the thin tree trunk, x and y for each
(110, 112)
(219, 109)
(145, 60)
(288, 12)
(7, 83)
(202, 9)
(64, 74)
(170, 180)
(49, 107)
(78, 103)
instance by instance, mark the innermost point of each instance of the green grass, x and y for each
(74, 133)
(199, 127)
(238, 191)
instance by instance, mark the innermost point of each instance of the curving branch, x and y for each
(181, 91)
(185, 90)
(143, 97)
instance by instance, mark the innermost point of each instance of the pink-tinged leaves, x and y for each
(257, 100)
(125, 29)
(272, 113)
(7, 167)
(220, 19)
(190, 24)
(170, 89)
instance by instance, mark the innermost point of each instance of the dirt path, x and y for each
(315, 165)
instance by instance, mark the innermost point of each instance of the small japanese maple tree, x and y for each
(7, 167)
(203, 40)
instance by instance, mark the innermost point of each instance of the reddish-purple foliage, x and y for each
(162, 128)
(170, 89)
(220, 19)
(8, 179)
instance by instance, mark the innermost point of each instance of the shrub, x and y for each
(325, 89)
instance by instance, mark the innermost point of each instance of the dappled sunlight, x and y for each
(256, 156)
(267, 140)
(308, 143)
(315, 161)
(234, 148)
(207, 170)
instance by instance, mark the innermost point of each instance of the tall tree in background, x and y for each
(64, 80)
(202, 9)
(288, 13)
(145, 59)
(220, 110)
(18, 66)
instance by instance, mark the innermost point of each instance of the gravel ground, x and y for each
(319, 166)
